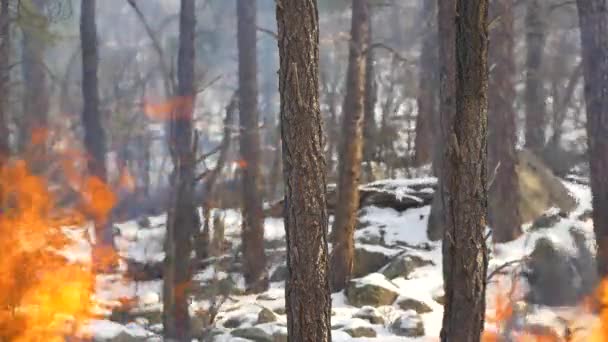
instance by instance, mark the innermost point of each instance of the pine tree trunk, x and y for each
(465, 258)
(351, 150)
(504, 217)
(427, 99)
(593, 18)
(254, 259)
(94, 134)
(182, 219)
(535, 92)
(307, 292)
(36, 101)
(5, 60)
(447, 108)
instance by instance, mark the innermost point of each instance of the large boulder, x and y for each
(368, 260)
(370, 314)
(374, 290)
(540, 189)
(552, 276)
(361, 332)
(420, 307)
(253, 334)
(408, 325)
(404, 266)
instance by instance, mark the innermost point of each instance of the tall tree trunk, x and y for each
(254, 259)
(447, 108)
(504, 197)
(36, 101)
(307, 292)
(5, 60)
(427, 99)
(182, 219)
(535, 90)
(351, 150)
(369, 116)
(593, 18)
(465, 257)
(94, 134)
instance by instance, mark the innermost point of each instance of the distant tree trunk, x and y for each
(351, 150)
(447, 108)
(94, 134)
(369, 117)
(182, 219)
(535, 90)
(465, 257)
(254, 259)
(504, 197)
(5, 61)
(427, 99)
(36, 99)
(307, 292)
(593, 18)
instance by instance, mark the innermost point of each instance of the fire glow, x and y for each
(44, 296)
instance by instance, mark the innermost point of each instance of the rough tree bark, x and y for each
(593, 20)
(504, 216)
(447, 107)
(182, 218)
(465, 257)
(94, 134)
(32, 135)
(535, 92)
(254, 259)
(5, 60)
(307, 292)
(427, 99)
(351, 150)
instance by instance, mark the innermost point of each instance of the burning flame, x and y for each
(163, 111)
(44, 296)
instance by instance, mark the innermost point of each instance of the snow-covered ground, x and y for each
(408, 310)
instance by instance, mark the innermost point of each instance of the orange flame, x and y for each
(162, 111)
(42, 295)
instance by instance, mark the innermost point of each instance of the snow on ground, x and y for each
(399, 231)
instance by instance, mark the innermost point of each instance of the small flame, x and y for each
(163, 111)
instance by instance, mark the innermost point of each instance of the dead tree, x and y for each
(32, 135)
(307, 292)
(535, 92)
(182, 218)
(254, 259)
(504, 216)
(465, 257)
(5, 61)
(593, 20)
(427, 99)
(447, 107)
(351, 150)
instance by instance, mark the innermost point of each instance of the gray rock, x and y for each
(552, 276)
(370, 314)
(123, 337)
(233, 322)
(404, 266)
(360, 295)
(414, 304)
(361, 332)
(280, 273)
(540, 189)
(266, 316)
(367, 262)
(408, 325)
(254, 334)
